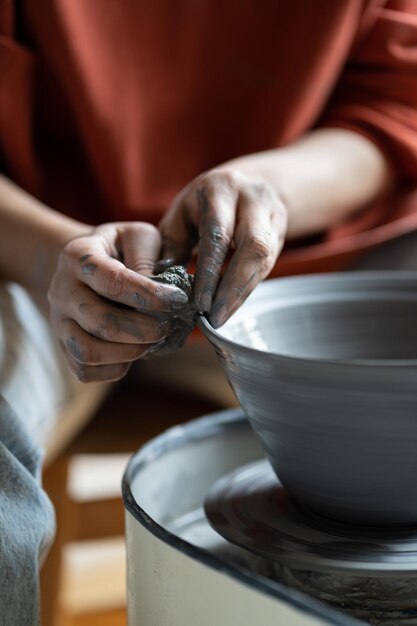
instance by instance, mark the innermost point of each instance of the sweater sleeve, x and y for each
(377, 92)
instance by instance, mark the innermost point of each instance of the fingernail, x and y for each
(163, 265)
(178, 299)
(218, 315)
(156, 346)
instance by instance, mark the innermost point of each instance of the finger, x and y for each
(111, 279)
(88, 350)
(141, 245)
(98, 317)
(208, 206)
(259, 237)
(216, 225)
(98, 373)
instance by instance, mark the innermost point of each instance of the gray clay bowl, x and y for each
(325, 368)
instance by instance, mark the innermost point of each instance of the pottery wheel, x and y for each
(249, 507)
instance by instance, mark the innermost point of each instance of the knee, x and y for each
(27, 521)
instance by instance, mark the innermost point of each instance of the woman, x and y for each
(300, 116)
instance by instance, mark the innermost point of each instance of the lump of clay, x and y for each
(183, 321)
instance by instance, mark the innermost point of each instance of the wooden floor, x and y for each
(94, 582)
(108, 618)
(93, 587)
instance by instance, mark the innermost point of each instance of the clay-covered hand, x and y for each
(225, 210)
(104, 306)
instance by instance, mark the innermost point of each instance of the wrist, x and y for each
(32, 236)
(322, 178)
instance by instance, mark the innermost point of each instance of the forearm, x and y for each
(322, 178)
(31, 237)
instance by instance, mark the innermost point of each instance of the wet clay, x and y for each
(380, 601)
(334, 356)
(185, 320)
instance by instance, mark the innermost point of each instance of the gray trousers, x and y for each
(34, 385)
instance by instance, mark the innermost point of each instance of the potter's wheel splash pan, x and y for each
(174, 582)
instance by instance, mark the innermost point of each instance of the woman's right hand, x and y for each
(104, 307)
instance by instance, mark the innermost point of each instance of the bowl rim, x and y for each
(217, 338)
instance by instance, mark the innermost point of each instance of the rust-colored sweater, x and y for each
(109, 107)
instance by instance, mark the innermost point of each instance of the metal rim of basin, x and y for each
(207, 426)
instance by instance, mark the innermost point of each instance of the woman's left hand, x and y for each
(223, 210)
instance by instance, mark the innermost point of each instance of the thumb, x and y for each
(141, 246)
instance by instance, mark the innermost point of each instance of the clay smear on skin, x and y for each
(87, 268)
